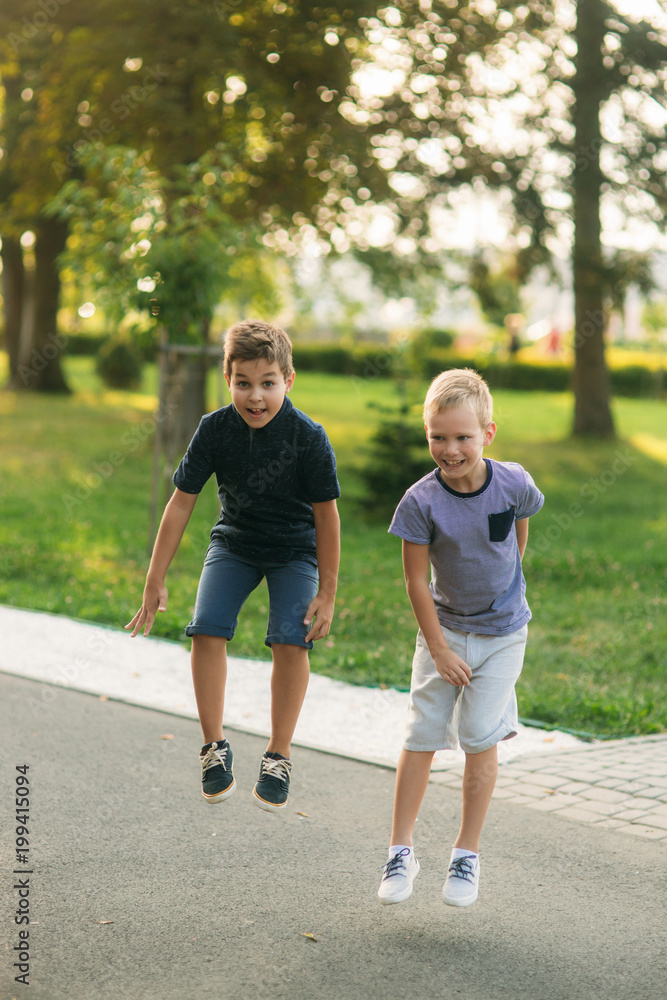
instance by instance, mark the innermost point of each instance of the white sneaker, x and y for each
(399, 874)
(462, 882)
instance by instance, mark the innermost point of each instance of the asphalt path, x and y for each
(139, 889)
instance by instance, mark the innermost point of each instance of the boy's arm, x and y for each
(522, 534)
(327, 543)
(417, 569)
(174, 521)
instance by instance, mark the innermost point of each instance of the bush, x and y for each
(86, 344)
(636, 380)
(367, 361)
(371, 361)
(397, 458)
(119, 364)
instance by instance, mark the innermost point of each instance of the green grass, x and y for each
(74, 514)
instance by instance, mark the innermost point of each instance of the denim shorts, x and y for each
(226, 582)
(476, 716)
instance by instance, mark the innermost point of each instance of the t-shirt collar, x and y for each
(476, 493)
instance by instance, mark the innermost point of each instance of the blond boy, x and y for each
(464, 526)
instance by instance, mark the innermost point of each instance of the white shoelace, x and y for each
(214, 757)
(279, 769)
(464, 868)
(396, 865)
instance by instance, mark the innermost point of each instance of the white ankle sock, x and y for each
(397, 848)
(461, 852)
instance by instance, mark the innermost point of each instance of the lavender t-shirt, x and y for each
(476, 577)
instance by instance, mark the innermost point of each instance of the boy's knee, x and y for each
(201, 640)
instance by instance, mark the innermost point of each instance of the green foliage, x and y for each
(373, 361)
(84, 344)
(497, 289)
(119, 364)
(395, 459)
(424, 343)
(74, 519)
(363, 361)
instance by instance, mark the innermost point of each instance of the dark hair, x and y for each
(252, 339)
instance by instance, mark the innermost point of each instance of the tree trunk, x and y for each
(40, 368)
(592, 412)
(13, 283)
(185, 400)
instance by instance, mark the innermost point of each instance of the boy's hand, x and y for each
(319, 616)
(452, 668)
(154, 600)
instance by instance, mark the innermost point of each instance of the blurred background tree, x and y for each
(553, 111)
(246, 101)
(289, 126)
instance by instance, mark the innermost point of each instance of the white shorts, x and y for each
(476, 717)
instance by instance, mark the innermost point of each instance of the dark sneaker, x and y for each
(217, 780)
(272, 786)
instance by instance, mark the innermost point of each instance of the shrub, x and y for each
(86, 344)
(397, 458)
(636, 380)
(119, 364)
(371, 361)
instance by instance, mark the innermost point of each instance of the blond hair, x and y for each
(460, 387)
(252, 339)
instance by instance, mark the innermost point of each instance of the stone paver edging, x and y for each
(621, 785)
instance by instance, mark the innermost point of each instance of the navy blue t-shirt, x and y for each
(267, 477)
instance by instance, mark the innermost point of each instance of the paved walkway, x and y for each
(140, 890)
(620, 785)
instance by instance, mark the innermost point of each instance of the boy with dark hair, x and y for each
(276, 475)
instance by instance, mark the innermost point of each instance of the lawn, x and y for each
(74, 534)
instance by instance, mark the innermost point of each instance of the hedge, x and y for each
(371, 361)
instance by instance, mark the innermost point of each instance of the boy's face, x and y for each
(456, 442)
(258, 389)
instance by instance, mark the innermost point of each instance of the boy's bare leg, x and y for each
(412, 774)
(289, 683)
(209, 675)
(479, 780)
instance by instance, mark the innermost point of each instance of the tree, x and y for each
(247, 100)
(41, 84)
(551, 106)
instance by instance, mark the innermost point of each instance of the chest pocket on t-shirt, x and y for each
(500, 525)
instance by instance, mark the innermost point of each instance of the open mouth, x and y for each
(454, 465)
(256, 413)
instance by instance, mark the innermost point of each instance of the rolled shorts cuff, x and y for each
(506, 732)
(418, 748)
(279, 639)
(223, 633)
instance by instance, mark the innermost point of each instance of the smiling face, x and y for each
(456, 442)
(258, 389)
